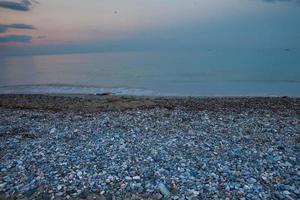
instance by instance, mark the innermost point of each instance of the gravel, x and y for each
(155, 153)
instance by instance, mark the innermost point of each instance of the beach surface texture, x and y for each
(126, 147)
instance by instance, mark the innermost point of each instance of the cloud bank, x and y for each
(20, 26)
(4, 27)
(23, 5)
(15, 38)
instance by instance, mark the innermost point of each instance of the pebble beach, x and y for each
(125, 147)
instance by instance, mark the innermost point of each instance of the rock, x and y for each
(60, 194)
(194, 193)
(59, 187)
(2, 186)
(158, 196)
(252, 180)
(136, 178)
(277, 158)
(52, 131)
(164, 190)
(79, 173)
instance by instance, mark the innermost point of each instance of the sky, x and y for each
(30, 27)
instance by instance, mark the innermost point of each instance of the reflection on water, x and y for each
(213, 72)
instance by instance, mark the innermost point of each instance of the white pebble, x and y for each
(79, 173)
(136, 178)
(53, 130)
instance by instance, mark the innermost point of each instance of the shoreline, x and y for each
(107, 102)
(128, 147)
(201, 89)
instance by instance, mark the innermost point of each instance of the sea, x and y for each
(208, 72)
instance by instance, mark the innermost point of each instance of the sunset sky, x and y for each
(66, 26)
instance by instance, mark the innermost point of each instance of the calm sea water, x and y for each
(264, 72)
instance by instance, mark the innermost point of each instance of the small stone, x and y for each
(59, 187)
(264, 176)
(109, 179)
(277, 158)
(123, 186)
(286, 193)
(158, 196)
(128, 178)
(136, 178)
(287, 164)
(79, 173)
(246, 187)
(296, 191)
(164, 190)
(252, 180)
(2, 186)
(4, 170)
(53, 130)
(195, 193)
(60, 194)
